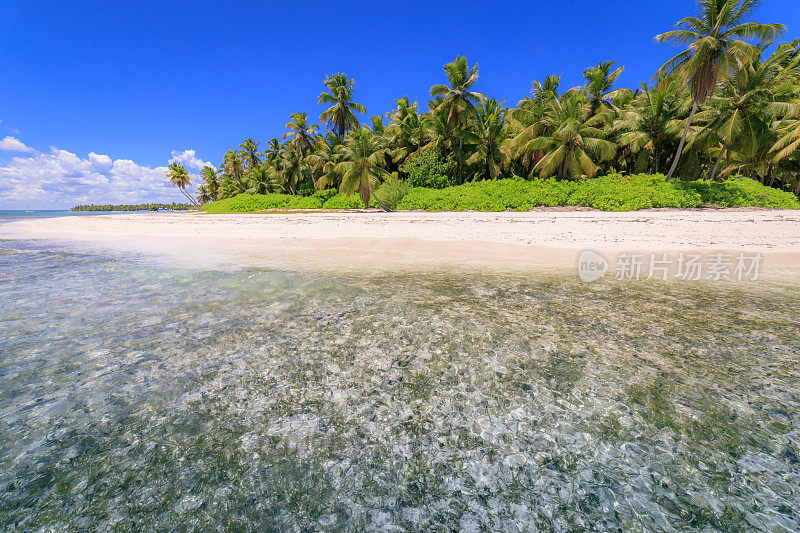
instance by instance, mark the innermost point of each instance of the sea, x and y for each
(140, 394)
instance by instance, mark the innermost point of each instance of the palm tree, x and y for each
(715, 49)
(647, 126)
(250, 153)
(456, 101)
(340, 116)
(406, 131)
(179, 177)
(232, 163)
(490, 155)
(571, 139)
(210, 181)
(293, 169)
(361, 170)
(328, 153)
(739, 112)
(301, 132)
(599, 82)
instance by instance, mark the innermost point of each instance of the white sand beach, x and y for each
(544, 237)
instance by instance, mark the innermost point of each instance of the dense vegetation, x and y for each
(133, 207)
(609, 193)
(727, 105)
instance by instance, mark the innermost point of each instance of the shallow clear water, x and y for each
(147, 396)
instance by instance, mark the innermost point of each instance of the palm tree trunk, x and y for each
(187, 195)
(721, 154)
(683, 140)
(380, 203)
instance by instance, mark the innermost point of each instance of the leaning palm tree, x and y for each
(340, 116)
(179, 177)
(715, 49)
(572, 143)
(250, 153)
(301, 132)
(361, 170)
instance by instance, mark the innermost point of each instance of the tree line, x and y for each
(727, 104)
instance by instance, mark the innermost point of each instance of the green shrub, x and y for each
(390, 192)
(616, 192)
(741, 191)
(343, 201)
(429, 169)
(244, 203)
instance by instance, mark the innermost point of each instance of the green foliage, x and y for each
(614, 192)
(430, 169)
(390, 192)
(246, 203)
(608, 193)
(740, 192)
(344, 201)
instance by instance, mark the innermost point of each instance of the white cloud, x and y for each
(61, 179)
(189, 159)
(12, 144)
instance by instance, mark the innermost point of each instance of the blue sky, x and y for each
(103, 95)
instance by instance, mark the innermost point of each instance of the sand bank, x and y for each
(467, 239)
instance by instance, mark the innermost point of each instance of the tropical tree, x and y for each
(715, 48)
(490, 156)
(572, 144)
(739, 113)
(301, 132)
(210, 181)
(327, 154)
(456, 101)
(250, 154)
(232, 163)
(179, 177)
(361, 169)
(341, 115)
(647, 126)
(292, 169)
(599, 83)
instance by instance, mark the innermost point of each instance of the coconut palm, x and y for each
(340, 116)
(406, 131)
(490, 156)
(210, 181)
(293, 169)
(599, 83)
(328, 153)
(250, 154)
(232, 163)
(301, 132)
(456, 102)
(179, 177)
(715, 49)
(361, 169)
(647, 126)
(740, 111)
(572, 143)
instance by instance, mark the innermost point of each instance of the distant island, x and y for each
(134, 207)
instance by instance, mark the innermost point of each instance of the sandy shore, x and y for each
(503, 240)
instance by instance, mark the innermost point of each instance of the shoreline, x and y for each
(402, 239)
